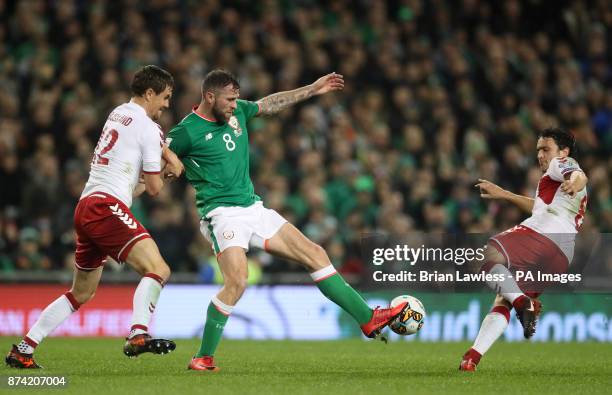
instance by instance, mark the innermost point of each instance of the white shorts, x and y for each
(236, 226)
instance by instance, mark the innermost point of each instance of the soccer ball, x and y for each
(412, 318)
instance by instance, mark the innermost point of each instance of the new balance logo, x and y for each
(124, 217)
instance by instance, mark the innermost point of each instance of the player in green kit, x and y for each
(213, 144)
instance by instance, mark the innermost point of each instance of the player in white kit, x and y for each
(130, 143)
(543, 243)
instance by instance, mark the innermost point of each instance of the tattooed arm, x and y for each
(277, 102)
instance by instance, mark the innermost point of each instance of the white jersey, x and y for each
(555, 214)
(130, 143)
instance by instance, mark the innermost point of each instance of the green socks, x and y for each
(333, 286)
(216, 317)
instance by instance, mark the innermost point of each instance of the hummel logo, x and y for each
(124, 217)
(208, 136)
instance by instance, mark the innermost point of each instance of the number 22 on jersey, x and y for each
(107, 141)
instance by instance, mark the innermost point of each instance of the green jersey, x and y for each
(216, 157)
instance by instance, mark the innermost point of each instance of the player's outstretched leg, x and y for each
(145, 258)
(333, 286)
(83, 288)
(492, 327)
(290, 243)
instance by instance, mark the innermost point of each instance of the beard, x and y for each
(219, 115)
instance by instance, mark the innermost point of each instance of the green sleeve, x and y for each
(178, 141)
(250, 108)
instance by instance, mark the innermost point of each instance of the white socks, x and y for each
(493, 325)
(145, 299)
(51, 317)
(506, 288)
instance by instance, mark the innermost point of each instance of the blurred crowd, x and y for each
(438, 94)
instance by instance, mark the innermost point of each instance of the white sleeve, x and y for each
(152, 140)
(560, 167)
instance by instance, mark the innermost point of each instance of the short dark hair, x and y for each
(563, 138)
(152, 77)
(218, 79)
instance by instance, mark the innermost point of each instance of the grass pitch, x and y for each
(97, 366)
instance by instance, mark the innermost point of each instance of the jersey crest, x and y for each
(234, 124)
